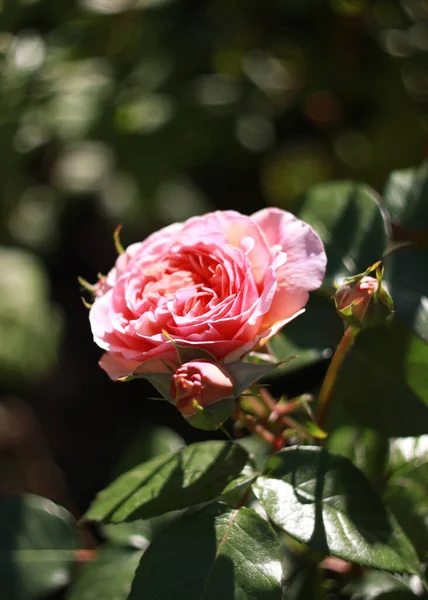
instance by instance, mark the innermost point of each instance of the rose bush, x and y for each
(223, 282)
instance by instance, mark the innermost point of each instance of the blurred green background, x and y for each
(144, 112)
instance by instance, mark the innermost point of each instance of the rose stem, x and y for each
(282, 410)
(292, 424)
(326, 392)
(251, 424)
(266, 399)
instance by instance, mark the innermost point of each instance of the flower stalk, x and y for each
(326, 392)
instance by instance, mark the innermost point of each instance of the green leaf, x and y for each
(312, 429)
(347, 217)
(408, 455)
(139, 533)
(160, 381)
(372, 585)
(302, 577)
(258, 449)
(212, 416)
(38, 540)
(134, 534)
(172, 481)
(282, 345)
(212, 554)
(237, 488)
(407, 276)
(397, 595)
(383, 383)
(324, 501)
(406, 197)
(368, 450)
(312, 336)
(407, 489)
(148, 443)
(109, 577)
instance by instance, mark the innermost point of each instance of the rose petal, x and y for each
(305, 266)
(117, 367)
(223, 282)
(239, 231)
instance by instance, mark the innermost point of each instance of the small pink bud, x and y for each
(198, 383)
(363, 302)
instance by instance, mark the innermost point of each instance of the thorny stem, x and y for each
(326, 392)
(269, 419)
(252, 425)
(266, 399)
(293, 424)
(283, 409)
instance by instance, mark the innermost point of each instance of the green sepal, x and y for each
(117, 243)
(187, 353)
(244, 374)
(213, 415)
(161, 381)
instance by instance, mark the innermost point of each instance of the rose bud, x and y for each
(203, 392)
(363, 302)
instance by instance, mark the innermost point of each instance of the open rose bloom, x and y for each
(223, 282)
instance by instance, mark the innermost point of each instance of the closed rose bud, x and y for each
(199, 383)
(363, 302)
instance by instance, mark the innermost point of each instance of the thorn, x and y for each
(86, 285)
(119, 248)
(86, 304)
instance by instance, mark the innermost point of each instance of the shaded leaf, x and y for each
(212, 416)
(172, 481)
(133, 534)
(368, 450)
(38, 540)
(397, 595)
(258, 449)
(148, 443)
(214, 553)
(347, 217)
(407, 489)
(407, 276)
(383, 383)
(406, 197)
(237, 488)
(372, 585)
(109, 577)
(161, 381)
(324, 501)
(408, 455)
(302, 578)
(139, 533)
(312, 336)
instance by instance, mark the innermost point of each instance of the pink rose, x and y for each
(200, 382)
(223, 282)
